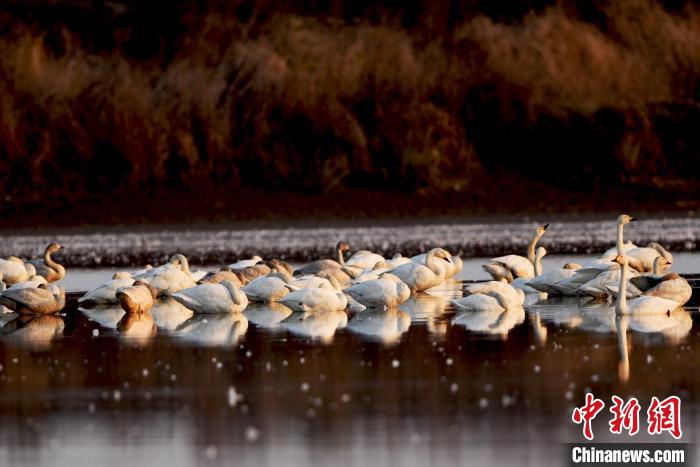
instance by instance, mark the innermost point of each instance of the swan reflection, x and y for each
(430, 309)
(316, 325)
(34, 331)
(386, 326)
(168, 313)
(216, 329)
(107, 316)
(267, 315)
(492, 322)
(138, 328)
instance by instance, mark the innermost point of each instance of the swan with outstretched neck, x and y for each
(510, 267)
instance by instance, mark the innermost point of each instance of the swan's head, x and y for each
(660, 263)
(52, 247)
(342, 246)
(662, 252)
(256, 258)
(149, 287)
(625, 219)
(121, 275)
(542, 229)
(572, 266)
(180, 260)
(441, 253)
(380, 265)
(621, 260)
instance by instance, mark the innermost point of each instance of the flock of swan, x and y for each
(635, 277)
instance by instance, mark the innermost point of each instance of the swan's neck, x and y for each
(233, 292)
(341, 259)
(185, 266)
(620, 239)
(538, 266)
(656, 269)
(501, 300)
(531, 247)
(432, 263)
(621, 304)
(50, 263)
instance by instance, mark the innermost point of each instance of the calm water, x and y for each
(410, 387)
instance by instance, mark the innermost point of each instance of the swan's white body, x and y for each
(169, 278)
(245, 263)
(15, 270)
(669, 286)
(224, 297)
(315, 300)
(513, 296)
(510, 267)
(106, 292)
(31, 283)
(452, 267)
(640, 305)
(364, 259)
(388, 291)
(419, 277)
(266, 289)
(522, 283)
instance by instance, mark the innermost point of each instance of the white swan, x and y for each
(267, 288)
(364, 259)
(319, 265)
(419, 277)
(221, 330)
(546, 281)
(389, 291)
(15, 270)
(43, 300)
(313, 300)
(170, 277)
(490, 301)
(522, 283)
(386, 326)
(452, 267)
(245, 263)
(106, 292)
(224, 297)
(136, 298)
(669, 286)
(510, 267)
(643, 304)
(32, 282)
(47, 267)
(647, 255)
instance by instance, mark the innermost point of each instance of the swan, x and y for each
(364, 259)
(47, 267)
(136, 298)
(220, 330)
(198, 274)
(106, 292)
(324, 264)
(224, 274)
(452, 267)
(169, 314)
(32, 282)
(15, 270)
(43, 300)
(224, 297)
(670, 286)
(245, 263)
(386, 326)
(546, 282)
(267, 288)
(510, 267)
(169, 278)
(311, 282)
(522, 283)
(388, 292)
(419, 277)
(267, 315)
(647, 255)
(316, 325)
(514, 296)
(639, 305)
(313, 300)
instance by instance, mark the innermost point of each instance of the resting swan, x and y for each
(452, 267)
(169, 278)
(15, 270)
(43, 300)
(670, 286)
(419, 277)
(324, 264)
(224, 297)
(47, 267)
(510, 267)
(106, 293)
(136, 298)
(267, 288)
(643, 304)
(364, 259)
(388, 291)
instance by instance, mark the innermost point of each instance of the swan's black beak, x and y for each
(632, 219)
(545, 226)
(448, 259)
